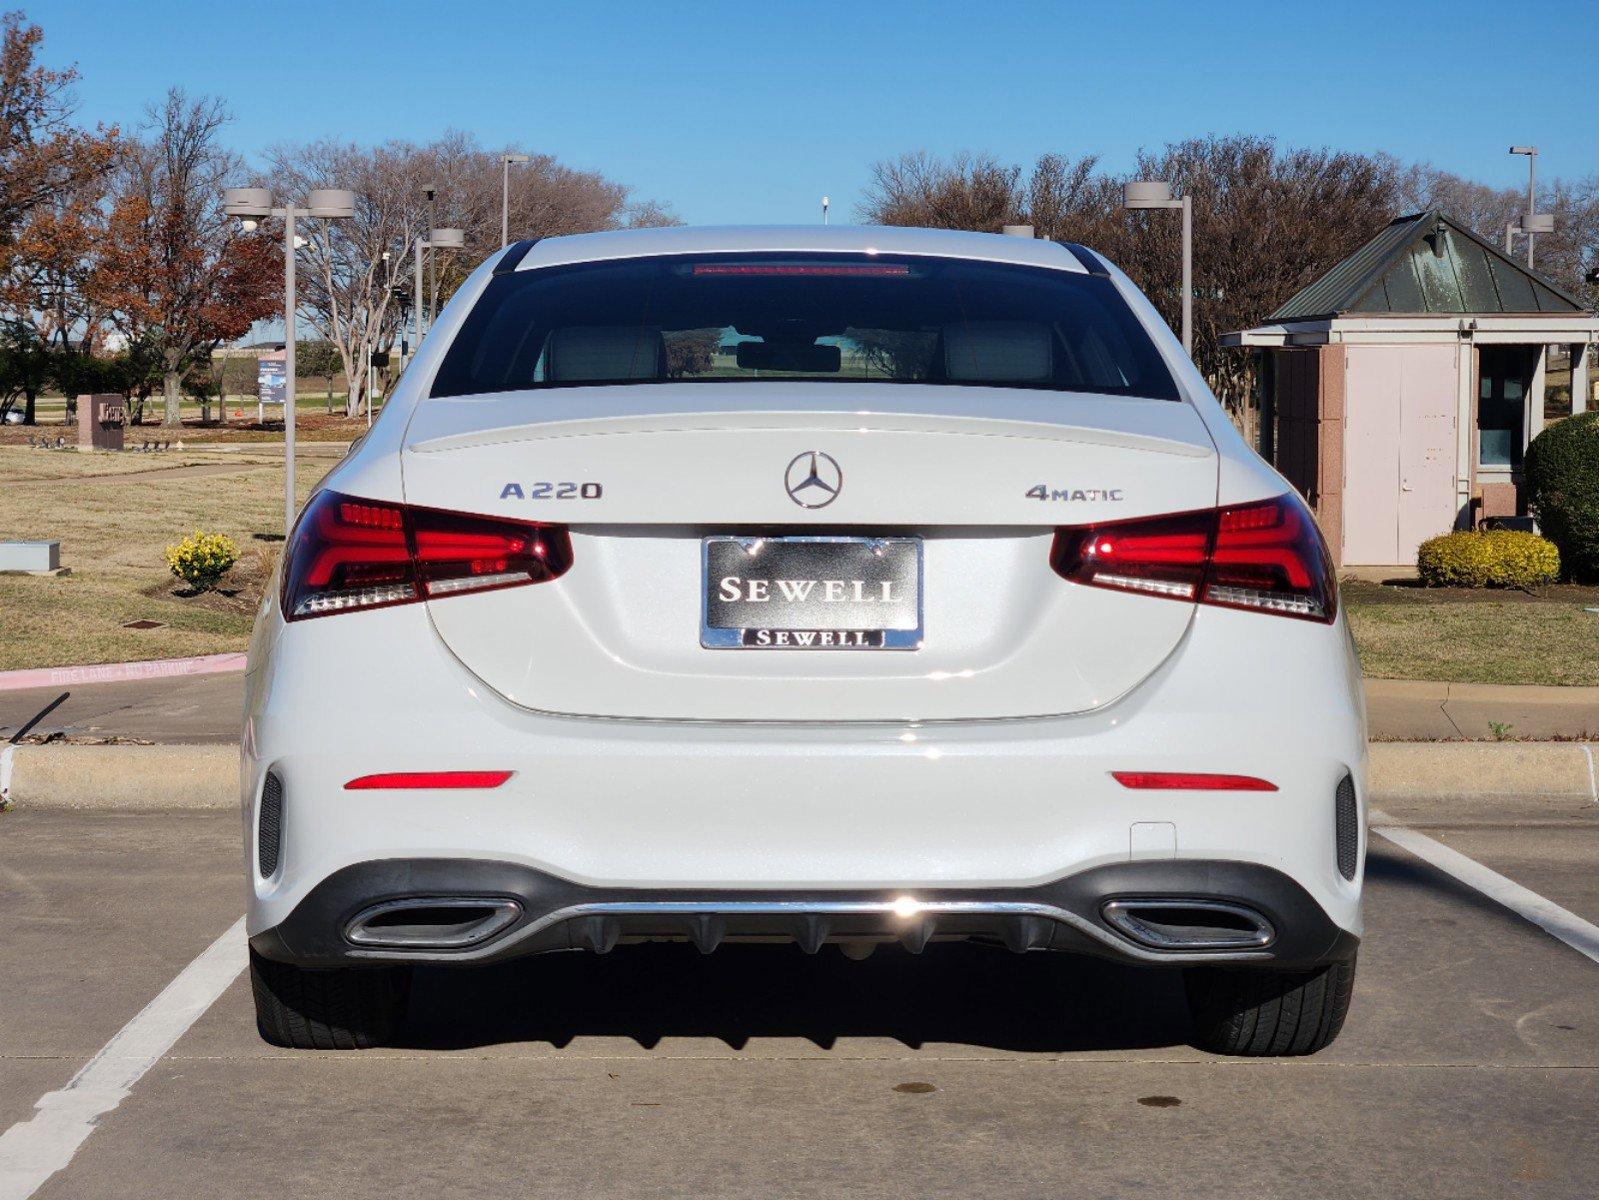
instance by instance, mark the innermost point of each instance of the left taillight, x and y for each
(1266, 557)
(349, 554)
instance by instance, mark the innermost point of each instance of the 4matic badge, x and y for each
(1040, 491)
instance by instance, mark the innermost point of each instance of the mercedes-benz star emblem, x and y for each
(813, 479)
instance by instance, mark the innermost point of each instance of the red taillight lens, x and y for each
(349, 554)
(1270, 557)
(1266, 557)
(1160, 556)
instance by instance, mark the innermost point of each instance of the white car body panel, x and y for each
(642, 759)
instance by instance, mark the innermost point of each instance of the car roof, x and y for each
(838, 239)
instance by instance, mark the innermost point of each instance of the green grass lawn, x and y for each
(114, 517)
(1461, 636)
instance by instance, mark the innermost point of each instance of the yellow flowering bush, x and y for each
(1488, 558)
(202, 559)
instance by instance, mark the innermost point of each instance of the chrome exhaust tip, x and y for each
(1177, 924)
(432, 923)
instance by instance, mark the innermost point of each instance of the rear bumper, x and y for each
(541, 912)
(972, 809)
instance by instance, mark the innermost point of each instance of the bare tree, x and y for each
(547, 199)
(355, 266)
(352, 267)
(1266, 222)
(968, 192)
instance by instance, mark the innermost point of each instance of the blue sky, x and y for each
(735, 112)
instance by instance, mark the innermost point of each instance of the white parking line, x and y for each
(31, 1151)
(1582, 936)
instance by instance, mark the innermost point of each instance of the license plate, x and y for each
(812, 593)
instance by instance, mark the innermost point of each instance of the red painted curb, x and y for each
(160, 668)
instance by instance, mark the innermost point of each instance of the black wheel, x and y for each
(342, 1008)
(1260, 1013)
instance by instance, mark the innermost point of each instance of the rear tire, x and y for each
(339, 1008)
(1261, 1013)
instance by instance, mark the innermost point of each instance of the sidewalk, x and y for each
(1419, 710)
(210, 709)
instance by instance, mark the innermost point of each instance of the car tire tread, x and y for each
(340, 1008)
(1265, 1013)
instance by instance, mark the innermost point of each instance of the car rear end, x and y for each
(835, 586)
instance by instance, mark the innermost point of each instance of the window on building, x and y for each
(1504, 375)
(1557, 383)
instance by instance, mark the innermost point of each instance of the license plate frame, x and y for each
(901, 560)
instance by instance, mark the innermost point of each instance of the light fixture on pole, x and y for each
(371, 374)
(505, 194)
(1156, 193)
(437, 239)
(825, 203)
(430, 192)
(253, 205)
(402, 299)
(1532, 222)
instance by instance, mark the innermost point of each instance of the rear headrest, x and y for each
(602, 352)
(998, 351)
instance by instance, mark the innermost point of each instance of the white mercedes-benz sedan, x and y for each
(833, 585)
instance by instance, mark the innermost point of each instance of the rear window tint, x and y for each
(819, 318)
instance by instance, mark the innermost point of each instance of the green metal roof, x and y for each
(1427, 263)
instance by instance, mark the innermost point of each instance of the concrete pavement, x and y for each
(209, 709)
(1469, 1067)
(193, 709)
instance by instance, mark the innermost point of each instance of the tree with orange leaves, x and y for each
(179, 276)
(52, 180)
(43, 156)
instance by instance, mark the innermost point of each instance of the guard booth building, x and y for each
(1399, 391)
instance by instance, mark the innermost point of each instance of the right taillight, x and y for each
(1265, 557)
(349, 554)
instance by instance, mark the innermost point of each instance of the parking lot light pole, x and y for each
(252, 205)
(436, 239)
(1532, 222)
(505, 194)
(1156, 193)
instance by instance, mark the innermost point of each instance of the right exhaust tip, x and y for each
(432, 923)
(1180, 924)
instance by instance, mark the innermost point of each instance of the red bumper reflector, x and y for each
(429, 779)
(1192, 781)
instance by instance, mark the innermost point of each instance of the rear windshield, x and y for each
(837, 318)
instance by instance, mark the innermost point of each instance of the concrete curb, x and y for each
(156, 668)
(1471, 770)
(125, 777)
(1404, 776)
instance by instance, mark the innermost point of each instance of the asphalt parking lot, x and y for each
(1468, 1067)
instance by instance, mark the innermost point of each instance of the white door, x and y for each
(1399, 451)
(1372, 385)
(1427, 399)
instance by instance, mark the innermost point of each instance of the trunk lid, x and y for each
(642, 475)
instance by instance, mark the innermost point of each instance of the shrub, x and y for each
(202, 559)
(1563, 491)
(1489, 558)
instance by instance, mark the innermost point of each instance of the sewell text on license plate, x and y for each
(812, 593)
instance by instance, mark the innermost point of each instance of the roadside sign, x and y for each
(272, 378)
(271, 382)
